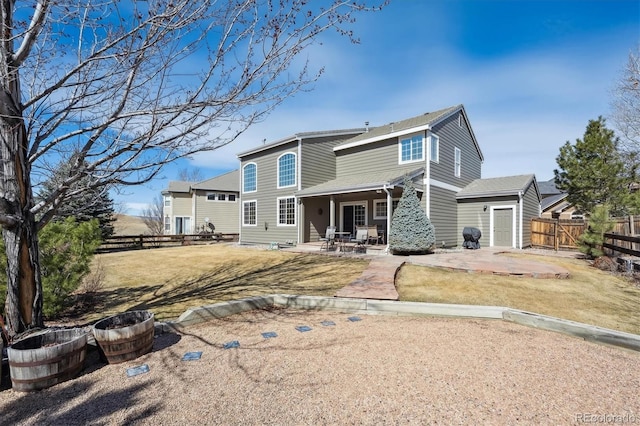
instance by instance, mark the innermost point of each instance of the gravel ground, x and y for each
(380, 370)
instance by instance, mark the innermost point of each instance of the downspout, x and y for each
(520, 199)
(298, 201)
(389, 211)
(427, 177)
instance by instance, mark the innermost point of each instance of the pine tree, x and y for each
(411, 230)
(592, 171)
(87, 202)
(590, 242)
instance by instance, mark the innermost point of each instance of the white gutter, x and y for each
(520, 219)
(382, 137)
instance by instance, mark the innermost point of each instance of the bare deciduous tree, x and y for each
(626, 104)
(190, 174)
(152, 216)
(120, 89)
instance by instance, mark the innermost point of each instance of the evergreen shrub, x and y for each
(411, 230)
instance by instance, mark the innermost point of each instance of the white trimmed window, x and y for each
(411, 149)
(457, 165)
(250, 178)
(287, 211)
(167, 201)
(380, 208)
(167, 224)
(286, 170)
(183, 225)
(434, 148)
(218, 196)
(249, 213)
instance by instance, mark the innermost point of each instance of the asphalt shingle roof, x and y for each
(229, 181)
(409, 123)
(509, 185)
(358, 182)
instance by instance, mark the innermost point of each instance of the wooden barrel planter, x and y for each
(125, 336)
(46, 359)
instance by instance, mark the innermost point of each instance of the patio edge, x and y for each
(584, 331)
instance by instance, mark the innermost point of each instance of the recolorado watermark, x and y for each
(627, 418)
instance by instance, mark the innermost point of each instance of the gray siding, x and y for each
(318, 161)
(453, 136)
(531, 209)
(471, 212)
(267, 194)
(382, 156)
(181, 205)
(444, 217)
(223, 214)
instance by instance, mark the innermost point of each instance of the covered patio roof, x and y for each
(359, 182)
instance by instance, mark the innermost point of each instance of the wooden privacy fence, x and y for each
(563, 234)
(138, 242)
(556, 234)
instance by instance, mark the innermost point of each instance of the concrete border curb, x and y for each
(387, 307)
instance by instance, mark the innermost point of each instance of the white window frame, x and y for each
(434, 138)
(244, 223)
(167, 224)
(460, 120)
(167, 201)
(185, 231)
(295, 211)
(410, 138)
(295, 170)
(383, 201)
(243, 177)
(235, 198)
(457, 162)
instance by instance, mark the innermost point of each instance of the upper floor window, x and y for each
(167, 201)
(457, 165)
(434, 147)
(250, 178)
(286, 170)
(411, 149)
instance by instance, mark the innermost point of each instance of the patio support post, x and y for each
(389, 212)
(332, 211)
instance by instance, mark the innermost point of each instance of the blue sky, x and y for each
(529, 73)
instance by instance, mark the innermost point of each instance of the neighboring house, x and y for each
(292, 189)
(554, 204)
(210, 205)
(501, 208)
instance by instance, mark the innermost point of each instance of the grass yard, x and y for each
(168, 281)
(590, 295)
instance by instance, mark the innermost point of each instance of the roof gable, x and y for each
(500, 186)
(410, 125)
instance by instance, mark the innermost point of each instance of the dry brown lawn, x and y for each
(168, 281)
(129, 225)
(590, 295)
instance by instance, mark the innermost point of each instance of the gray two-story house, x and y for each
(292, 189)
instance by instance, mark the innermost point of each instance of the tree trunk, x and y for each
(23, 307)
